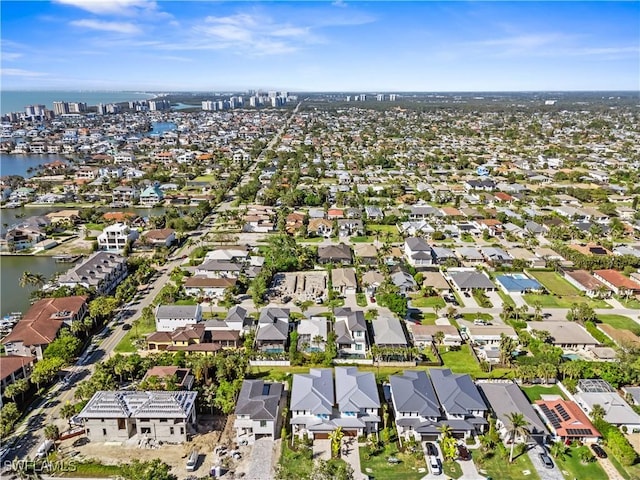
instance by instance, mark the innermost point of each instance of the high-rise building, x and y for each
(207, 105)
(77, 107)
(380, 97)
(60, 108)
(393, 97)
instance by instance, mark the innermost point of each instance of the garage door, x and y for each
(350, 433)
(320, 436)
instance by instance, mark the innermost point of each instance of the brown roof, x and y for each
(159, 337)
(195, 347)
(452, 212)
(225, 335)
(159, 234)
(590, 249)
(12, 363)
(570, 418)
(585, 279)
(421, 331)
(40, 325)
(617, 279)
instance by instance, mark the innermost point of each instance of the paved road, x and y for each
(30, 434)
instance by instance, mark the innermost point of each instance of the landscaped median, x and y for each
(406, 464)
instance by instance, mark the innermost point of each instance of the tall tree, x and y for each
(517, 428)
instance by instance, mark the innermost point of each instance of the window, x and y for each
(121, 424)
(171, 432)
(163, 420)
(181, 430)
(263, 423)
(145, 430)
(104, 432)
(358, 346)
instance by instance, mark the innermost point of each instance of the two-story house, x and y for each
(258, 410)
(418, 252)
(102, 271)
(351, 332)
(170, 317)
(115, 237)
(273, 330)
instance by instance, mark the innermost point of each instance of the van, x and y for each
(192, 461)
(434, 464)
(44, 449)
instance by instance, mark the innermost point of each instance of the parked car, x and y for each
(431, 449)
(463, 452)
(545, 459)
(598, 450)
(126, 326)
(435, 466)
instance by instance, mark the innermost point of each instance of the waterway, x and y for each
(20, 164)
(158, 128)
(14, 298)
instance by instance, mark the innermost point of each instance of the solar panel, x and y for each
(579, 431)
(563, 413)
(551, 416)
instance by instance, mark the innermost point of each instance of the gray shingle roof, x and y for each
(177, 311)
(465, 280)
(413, 392)
(457, 392)
(355, 390)
(388, 331)
(259, 399)
(313, 391)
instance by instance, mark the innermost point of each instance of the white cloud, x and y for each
(121, 7)
(117, 27)
(19, 72)
(8, 56)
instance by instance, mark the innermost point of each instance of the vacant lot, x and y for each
(555, 284)
(535, 392)
(621, 322)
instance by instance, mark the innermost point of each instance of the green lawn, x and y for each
(126, 344)
(473, 316)
(429, 319)
(296, 463)
(378, 467)
(462, 361)
(506, 299)
(452, 469)
(93, 470)
(554, 283)
(498, 468)
(551, 301)
(620, 321)
(310, 240)
(428, 302)
(572, 467)
(628, 473)
(365, 239)
(535, 392)
(629, 302)
(361, 299)
(392, 230)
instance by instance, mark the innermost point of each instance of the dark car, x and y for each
(431, 449)
(463, 452)
(126, 326)
(598, 450)
(546, 461)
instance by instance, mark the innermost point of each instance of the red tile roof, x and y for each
(573, 421)
(12, 363)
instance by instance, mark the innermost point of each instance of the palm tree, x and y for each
(67, 411)
(597, 412)
(336, 440)
(559, 449)
(517, 428)
(52, 432)
(439, 337)
(35, 279)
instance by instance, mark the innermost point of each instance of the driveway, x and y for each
(495, 299)
(544, 472)
(469, 470)
(322, 449)
(351, 454)
(261, 461)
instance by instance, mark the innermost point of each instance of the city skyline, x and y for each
(320, 46)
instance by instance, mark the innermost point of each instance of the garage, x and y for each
(321, 436)
(350, 433)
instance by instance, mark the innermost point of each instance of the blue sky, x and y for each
(320, 46)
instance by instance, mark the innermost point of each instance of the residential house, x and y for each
(102, 271)
(486, 334)
(584, 281)
(151, 196)
(340, 253)
(319, 407)
(351, 331)
(177, 339)
(518, 282)
(617, 282)
(208, 287)
(367, 253)
(388, 332)
(371, 281)
(115, 237)
(294, 222)
(257, 412)
(436, 281)
(504, 399)
(124, 195)
(468, 279)
(423, 336)
(163, 237)
(40, 325)
(442, 255)
(238, 319)
(416, 408)
(348, 227)
(170, 317)
(566, 421)
(461, 402)
(312, 334)
(218, 269)
(320, 227)
(495, 256)
(273, 330)
(418, 252)
(404, 281)
(566, 335)
(344, 280)
(169, 417)
(374, 213)
(592, 392)
(469, 255)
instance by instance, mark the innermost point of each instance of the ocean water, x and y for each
(16, 100)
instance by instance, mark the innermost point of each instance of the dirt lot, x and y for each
(220, 432)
